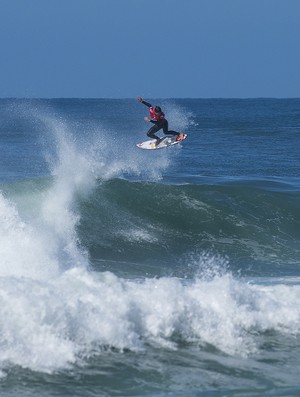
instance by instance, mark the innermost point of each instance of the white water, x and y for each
(49, 324)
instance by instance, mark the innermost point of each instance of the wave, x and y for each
(92, 212)
(139, 220)
(43, 212)
(80, 314)
(104, 223)
(56, 232)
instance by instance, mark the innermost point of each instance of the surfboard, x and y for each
(166, 142)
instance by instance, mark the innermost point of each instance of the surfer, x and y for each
(157, 117)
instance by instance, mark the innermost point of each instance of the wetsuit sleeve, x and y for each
(147, 104)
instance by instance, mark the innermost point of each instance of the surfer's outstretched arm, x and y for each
(140, 99)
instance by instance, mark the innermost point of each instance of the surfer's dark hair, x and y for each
(157, 109)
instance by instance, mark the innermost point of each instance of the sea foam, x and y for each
(52, 324)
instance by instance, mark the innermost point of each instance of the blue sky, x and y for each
(153, 48)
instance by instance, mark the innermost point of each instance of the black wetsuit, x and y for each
(158, 125)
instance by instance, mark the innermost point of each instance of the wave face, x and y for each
(253, 228)
(125, 274)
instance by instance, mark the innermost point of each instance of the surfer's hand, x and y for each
(147, 119)
(139, 98)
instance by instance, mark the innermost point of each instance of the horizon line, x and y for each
(150, 97)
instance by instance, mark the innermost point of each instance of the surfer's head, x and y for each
(157, 109)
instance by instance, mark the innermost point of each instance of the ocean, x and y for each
(167, 273)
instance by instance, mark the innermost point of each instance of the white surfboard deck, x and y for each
(167, 141)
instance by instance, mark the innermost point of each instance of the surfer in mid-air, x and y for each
(157, 117)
